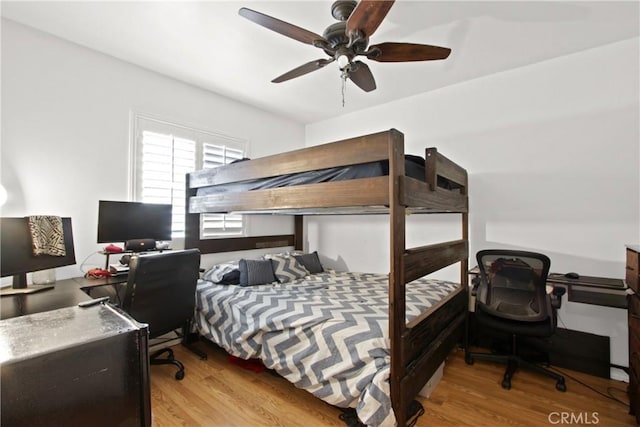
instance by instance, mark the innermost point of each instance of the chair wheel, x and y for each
(468, 359)
(179, 375)
(506, 384)
(561, 386)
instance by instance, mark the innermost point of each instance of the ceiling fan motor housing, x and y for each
(336, 36)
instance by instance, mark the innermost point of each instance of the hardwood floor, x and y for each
(216, 393)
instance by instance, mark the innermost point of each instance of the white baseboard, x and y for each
(619, 374)
(164, 341)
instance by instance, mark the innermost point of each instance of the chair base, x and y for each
(514, 362)
(155, 359)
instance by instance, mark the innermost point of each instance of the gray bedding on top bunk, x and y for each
(414, 168)
(327, 333)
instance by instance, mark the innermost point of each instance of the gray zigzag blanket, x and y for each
(327, 333)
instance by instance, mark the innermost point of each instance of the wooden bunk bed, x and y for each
(419, 347)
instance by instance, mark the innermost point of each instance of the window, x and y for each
(164, 153)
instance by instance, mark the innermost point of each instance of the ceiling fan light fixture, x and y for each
(343, 61)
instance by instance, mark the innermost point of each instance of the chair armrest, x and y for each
(556, 296)
(476, 283)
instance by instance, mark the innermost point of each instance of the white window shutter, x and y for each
(213, 225)
(165, 162)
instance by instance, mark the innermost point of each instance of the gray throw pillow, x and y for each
(255, 272)
(311, 262)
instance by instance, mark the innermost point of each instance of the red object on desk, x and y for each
(113, 249)
(96, 273)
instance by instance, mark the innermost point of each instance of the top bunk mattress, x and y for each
(414, 168)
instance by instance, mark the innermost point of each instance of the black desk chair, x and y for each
(511, 297)
(161, 291)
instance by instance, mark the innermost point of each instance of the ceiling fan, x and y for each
(347, 39)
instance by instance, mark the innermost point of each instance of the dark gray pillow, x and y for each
(311, 262)
(221, 273)
(231, 278)
(255, 272)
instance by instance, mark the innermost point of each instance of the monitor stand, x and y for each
(20, 286)
(28, 290)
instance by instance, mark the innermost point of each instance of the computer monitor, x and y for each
(127, 221)
(17, 258)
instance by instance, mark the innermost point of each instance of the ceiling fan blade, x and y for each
(303, 69)
(362, 77)
(405, 52)
(367, 16)
(279, 26)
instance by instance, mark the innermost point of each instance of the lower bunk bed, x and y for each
(327, 332)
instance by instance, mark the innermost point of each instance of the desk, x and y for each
(66, 293)
(601, 291)
(576, 350)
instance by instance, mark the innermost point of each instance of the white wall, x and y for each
(66, 130)
(552, 152)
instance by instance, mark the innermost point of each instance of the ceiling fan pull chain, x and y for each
(343, 77)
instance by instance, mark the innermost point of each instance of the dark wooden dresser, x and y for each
(74, 367)
(632, 279)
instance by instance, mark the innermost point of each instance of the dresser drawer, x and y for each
(634, 351)
(633, 390)
(634, 400)
(633, 381)
(634, 331)
(633, 305)
(632, 269)
(631, 277)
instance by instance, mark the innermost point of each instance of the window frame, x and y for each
(141, 122)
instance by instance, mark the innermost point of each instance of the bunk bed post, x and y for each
(430, 168)
(298, 233)
(191, 221)
(464, 265)
(397, 304)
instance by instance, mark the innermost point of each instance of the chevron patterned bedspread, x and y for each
(327, 333)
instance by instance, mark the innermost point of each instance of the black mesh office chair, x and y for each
(511, 297)
(161, 291)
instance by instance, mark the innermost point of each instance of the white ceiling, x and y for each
(209, 45)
